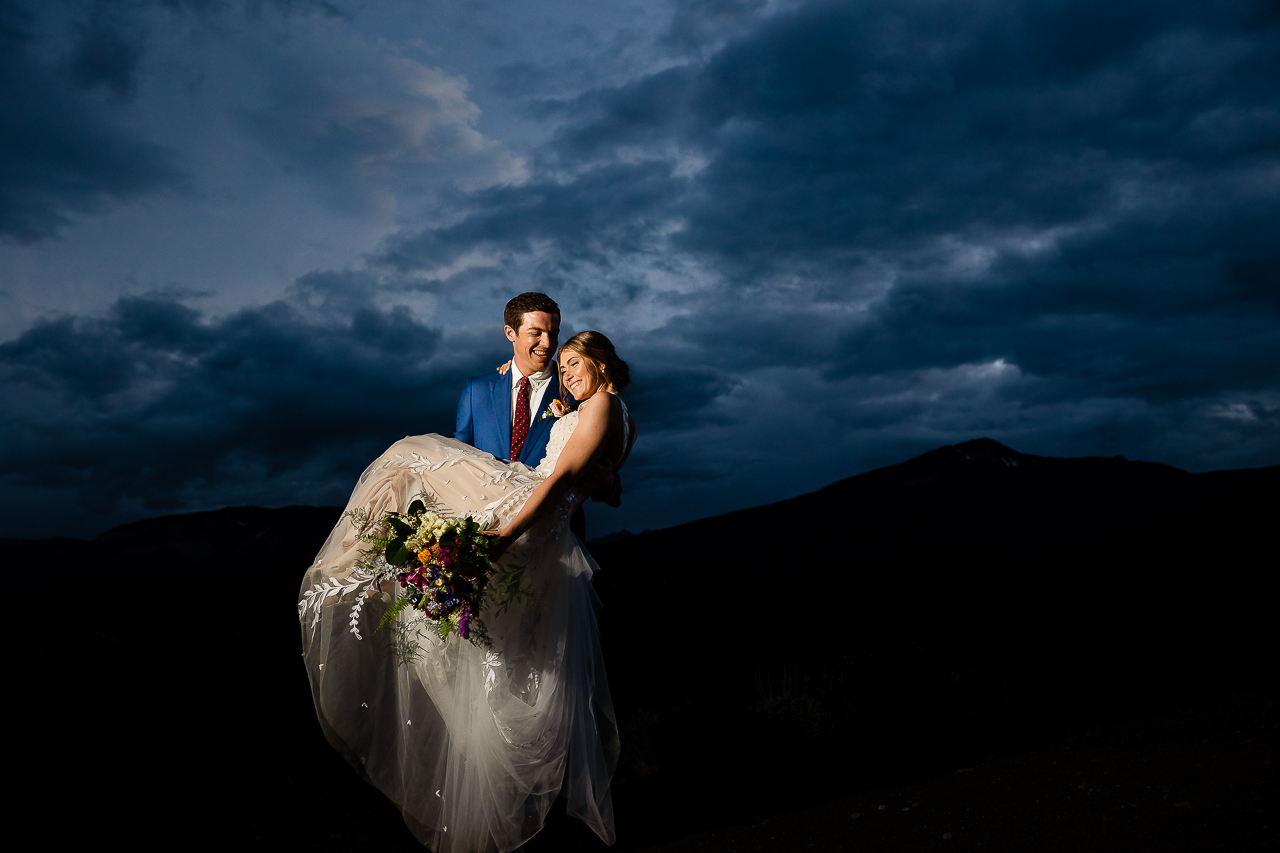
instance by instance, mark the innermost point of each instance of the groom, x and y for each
(502, 414)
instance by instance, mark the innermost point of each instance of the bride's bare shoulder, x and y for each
(617, 411)
(612, 404)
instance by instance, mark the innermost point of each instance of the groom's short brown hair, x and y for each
(526, 302)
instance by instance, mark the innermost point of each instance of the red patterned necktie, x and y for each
(520, 428)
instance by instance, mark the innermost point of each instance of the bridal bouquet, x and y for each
(442, 564)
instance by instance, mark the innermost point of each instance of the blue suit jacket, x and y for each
(484, 418)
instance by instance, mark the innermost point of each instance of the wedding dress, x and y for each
(473, 746)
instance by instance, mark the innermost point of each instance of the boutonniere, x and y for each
(556, 409)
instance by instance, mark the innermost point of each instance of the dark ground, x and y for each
(258, 775)
(1031, 656)
(1192, 780)
(1202, 780)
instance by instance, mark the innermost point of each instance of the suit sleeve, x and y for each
(465, 428)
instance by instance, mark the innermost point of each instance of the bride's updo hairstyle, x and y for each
(598, 350)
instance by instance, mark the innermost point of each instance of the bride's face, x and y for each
(581, 376)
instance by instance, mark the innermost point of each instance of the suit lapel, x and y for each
(500, 404)
(537, 434)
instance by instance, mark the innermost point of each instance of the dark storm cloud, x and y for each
(902, 225)
(854, 127)
(698, 22)
(62, 151)
(872, 128)
(1111, 167)
(606, 210)
(156, 407)
(67, 73)
(106, 53)
(359, 119)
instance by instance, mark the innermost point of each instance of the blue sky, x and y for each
(244, 246)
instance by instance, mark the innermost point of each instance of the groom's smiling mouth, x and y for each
(540, 357)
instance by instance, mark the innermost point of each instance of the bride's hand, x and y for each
(504, 367)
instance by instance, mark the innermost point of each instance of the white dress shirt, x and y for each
(538, 384)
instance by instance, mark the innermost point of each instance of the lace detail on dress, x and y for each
(515, 482)
(560, 432)
(418, 463)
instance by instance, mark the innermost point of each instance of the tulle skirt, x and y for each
(472, 745)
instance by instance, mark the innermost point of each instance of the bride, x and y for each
(474, 745)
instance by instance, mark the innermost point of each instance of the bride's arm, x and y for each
(583, 446)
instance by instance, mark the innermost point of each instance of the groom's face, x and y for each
(535, 341)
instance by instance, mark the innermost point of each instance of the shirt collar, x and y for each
(541, 376)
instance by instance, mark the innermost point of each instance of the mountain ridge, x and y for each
(939, 483)
(925, 482)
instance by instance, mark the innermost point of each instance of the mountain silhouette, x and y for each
(975, 500)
